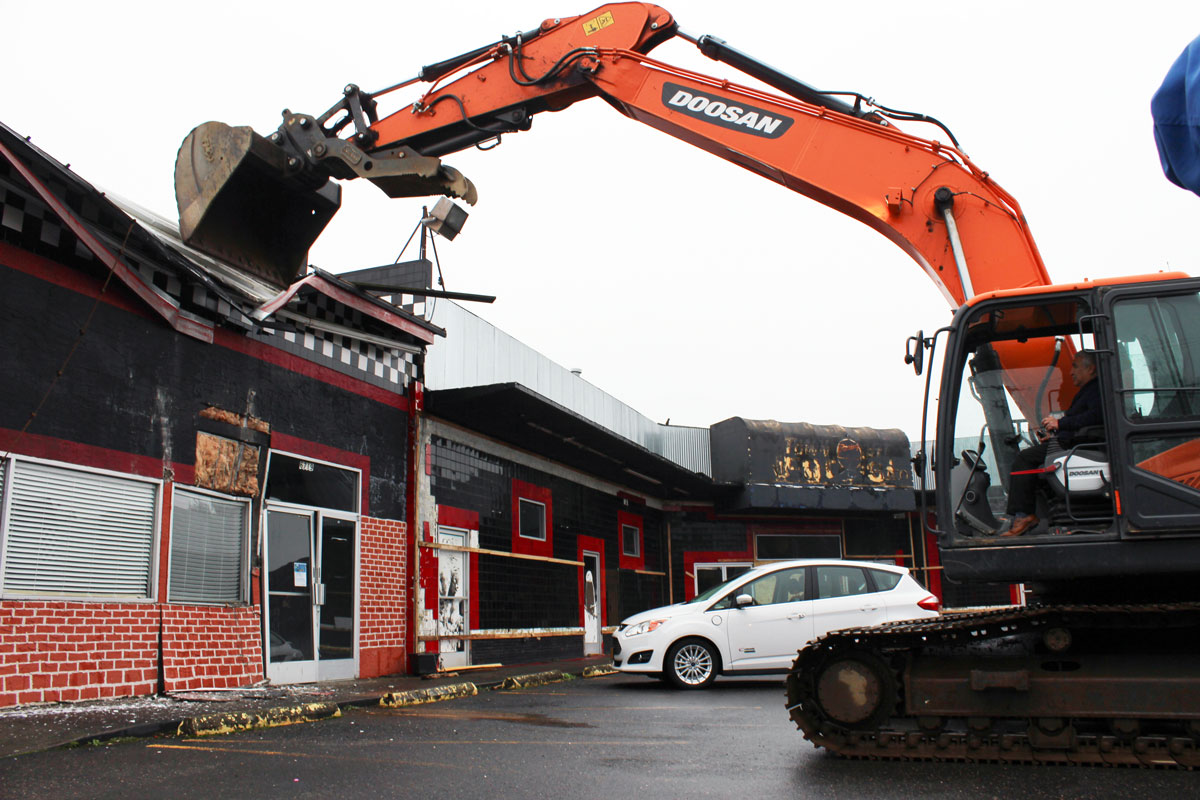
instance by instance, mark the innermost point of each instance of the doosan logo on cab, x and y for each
(750, 119)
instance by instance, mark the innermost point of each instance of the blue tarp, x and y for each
(1176, 111)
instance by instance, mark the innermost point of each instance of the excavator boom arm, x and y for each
(837, 154)
(964, 231)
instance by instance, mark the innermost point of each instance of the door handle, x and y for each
(797, 615)
(319, 594)
(869, 608)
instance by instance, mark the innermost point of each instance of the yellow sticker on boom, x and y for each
(598, 23)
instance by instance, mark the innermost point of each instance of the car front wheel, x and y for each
(691, 664)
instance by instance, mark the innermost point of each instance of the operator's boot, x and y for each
(1021, 524)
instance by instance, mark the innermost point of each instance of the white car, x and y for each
(755, 623)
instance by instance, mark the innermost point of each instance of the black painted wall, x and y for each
(134, 385)
(522, 593)
(699, 531)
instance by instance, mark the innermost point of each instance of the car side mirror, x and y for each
(743, 600)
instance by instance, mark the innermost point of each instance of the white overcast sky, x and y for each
(681, 284)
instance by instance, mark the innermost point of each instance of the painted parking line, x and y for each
(422, 743)
(339, 757)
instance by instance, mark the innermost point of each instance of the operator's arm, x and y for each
(1085, 411)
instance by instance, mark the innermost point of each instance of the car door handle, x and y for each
(869, 608)
(797, 615)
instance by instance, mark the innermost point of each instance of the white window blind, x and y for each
(73, 532)
(208, 546)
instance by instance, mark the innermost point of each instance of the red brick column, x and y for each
(211, 647)
(383, 615)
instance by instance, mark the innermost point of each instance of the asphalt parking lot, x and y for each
(610, 736)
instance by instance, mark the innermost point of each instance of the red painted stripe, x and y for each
(75, 281)
(61, 275)
(1038, 471)
(458, 518)
(167, 308)
(55, 449)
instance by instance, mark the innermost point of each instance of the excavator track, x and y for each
(866, 693)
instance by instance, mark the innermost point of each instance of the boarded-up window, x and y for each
(225, 465)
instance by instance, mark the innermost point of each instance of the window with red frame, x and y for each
(532, 519)
(631, 541)
(630, 532)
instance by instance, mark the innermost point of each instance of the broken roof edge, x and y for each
(524, 418)
(162, 234)
(477, 353)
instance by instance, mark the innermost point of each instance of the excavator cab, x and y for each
(1136, 477)
(1014, 375)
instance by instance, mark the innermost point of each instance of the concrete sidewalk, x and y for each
(28, 729)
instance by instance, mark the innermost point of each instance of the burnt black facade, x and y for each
(185, 448)
(133, 387)
(543, 594)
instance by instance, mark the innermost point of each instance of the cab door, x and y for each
(1154, 429)
(768, 633)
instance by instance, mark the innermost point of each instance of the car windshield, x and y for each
(713, 591)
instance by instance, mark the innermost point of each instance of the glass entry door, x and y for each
(310, 591)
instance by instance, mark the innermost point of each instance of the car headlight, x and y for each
(643, 627)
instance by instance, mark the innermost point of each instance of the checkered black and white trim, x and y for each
(26, 222)
(387, 368)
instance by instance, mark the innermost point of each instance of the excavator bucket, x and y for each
(239, 201)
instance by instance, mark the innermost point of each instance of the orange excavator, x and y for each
(1104, 665)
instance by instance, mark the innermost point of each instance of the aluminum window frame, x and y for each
(358, 472)
(244, 570)
(723, 566)
(637, 540)
(11, 466)
(521, 517)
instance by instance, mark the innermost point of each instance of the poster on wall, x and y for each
(452, 601)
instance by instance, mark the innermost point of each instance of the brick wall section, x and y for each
(52, 651)
(383, 605)
(211, 647)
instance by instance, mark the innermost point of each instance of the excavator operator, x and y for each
(1056, 432)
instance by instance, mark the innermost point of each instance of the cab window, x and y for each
(1158, 353)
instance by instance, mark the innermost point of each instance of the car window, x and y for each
(884, 579)
(790, 586)
(841, 581)
(784, 586)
